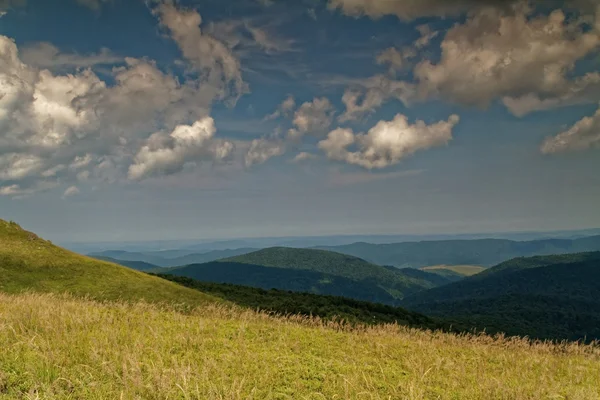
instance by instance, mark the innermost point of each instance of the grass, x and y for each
(464, 270)
(57, 347)
(28, 262)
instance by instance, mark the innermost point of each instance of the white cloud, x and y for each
(49, 119)
(262, 150)
(365, 96)
(284, 109)
(313, 118)
(581, 136)
(167, 154)
(8, 4)
(387, 142)
(46, 55)
(426, 35)
(71, 191)
(395, 59)
(404, 9)
(514, 56)
(303, 156)
(210, 57)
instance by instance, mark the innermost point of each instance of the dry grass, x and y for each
(54, 347)
(466, 270)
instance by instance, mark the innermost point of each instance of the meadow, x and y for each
(61, 347)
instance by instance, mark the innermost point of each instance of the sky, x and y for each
(210, 119)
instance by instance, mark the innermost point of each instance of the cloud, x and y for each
(313, 118)
(426, 35)
(302, 157)
(52, 122)
(512, 56)
(284, 109)
(395, 59)
(71, 191)
(8, 4)
(583, 135)
(211, 58)
(262, 150)
(404, 9)
(167, 154)
(387, 142)
(365, 96)
(409, 10)
(46, 55)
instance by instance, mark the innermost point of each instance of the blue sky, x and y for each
(133, 120)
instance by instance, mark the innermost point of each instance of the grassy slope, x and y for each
(137, 265)
(464, 270)
(395, 281)
(28, 263)
(56, 348)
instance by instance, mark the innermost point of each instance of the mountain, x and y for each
(395, 281)
(551, 297)
(169, 258)
(284, 279)
(29, 263)
(313, 271)
(480, 252)
(137, 265)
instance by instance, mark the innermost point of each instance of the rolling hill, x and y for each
(262, 277)
(168, 258)
(314, 271)
(29, 263)
(483, 252)
(550, 297)
(395, 281)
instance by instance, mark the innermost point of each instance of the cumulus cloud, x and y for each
(365, 96)
(284, 109)
(395, 59)
(313, 118)
(582, 135)
(524, 59)
(387, 142)
(46, 55)
(8, 4)
(303, 156)
(167, 154)
(71, 191)
(210, 57)
(404, 9)
(426, 35)
(70, 127)
(262, 150)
